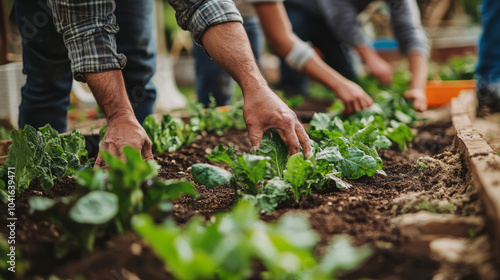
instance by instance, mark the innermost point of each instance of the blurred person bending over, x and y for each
(89, 28)
(331, 26)
(277, 28)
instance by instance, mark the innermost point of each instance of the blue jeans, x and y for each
(212, 79)
(46, 94)
(488, 69)
(310, 27)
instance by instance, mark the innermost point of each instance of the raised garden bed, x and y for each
(431, 177)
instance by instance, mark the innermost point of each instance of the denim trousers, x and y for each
(211, 79)
(312, 28)
(488, 69)
(46, 94)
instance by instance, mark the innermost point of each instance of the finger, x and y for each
(348, 108)
(291, 140)
(147, 153)
(255, 135)
(303, 139)
(99, 161)
(357, 106)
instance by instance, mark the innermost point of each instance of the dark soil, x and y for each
(364, 211)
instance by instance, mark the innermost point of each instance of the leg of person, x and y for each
(137, 42)
(292, 82)
(212, 79)
(488, 69)
(45, 96)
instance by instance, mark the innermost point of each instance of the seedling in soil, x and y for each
(42, 154)
(108, 199)
(228, 247)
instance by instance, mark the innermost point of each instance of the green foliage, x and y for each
(43, 154)
(216, 120)
(381, 134)
(227, 247)
(459, 68)
(4, 133)
(168, 135)
(266, 179)
(129, 187)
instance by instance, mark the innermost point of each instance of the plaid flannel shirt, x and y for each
(88, 28)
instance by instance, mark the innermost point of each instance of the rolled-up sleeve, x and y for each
(88, 29)
(408, 30)
(198, 16)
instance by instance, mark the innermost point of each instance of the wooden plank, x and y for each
(483, 163)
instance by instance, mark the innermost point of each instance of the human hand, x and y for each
(121, 131)
(418, 97)
(353, 96)
(265, 110)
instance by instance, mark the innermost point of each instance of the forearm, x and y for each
(366, 53)
(319, 71)
(229, 46)
(418, 69)
(109, 91)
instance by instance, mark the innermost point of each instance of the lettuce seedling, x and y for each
(228, 246)
(127, 188)
(43, 154)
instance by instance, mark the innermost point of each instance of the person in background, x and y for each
(488, 68)
(274, 22)
(88, 29)
(331, 26)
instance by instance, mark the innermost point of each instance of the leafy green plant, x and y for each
(226, 247)
(43, 154)
(129, 187)
(324, 126)
(459, 68)
(266, 178)
(168, 135)
(216, 120)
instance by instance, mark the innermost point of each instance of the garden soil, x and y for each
(430, 171)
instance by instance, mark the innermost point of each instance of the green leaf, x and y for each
(341, 255)
(38, 203)
(400, 134)
(320, 121)
(298, 171)
(367, 136)
(273, 147)
(357, 164)
(251, 170)
(209, 175)
(96, 207)
(219, 154)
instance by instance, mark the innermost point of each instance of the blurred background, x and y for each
(453, 27)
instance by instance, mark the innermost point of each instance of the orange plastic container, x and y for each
(441, 92)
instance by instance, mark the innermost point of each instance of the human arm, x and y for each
(418, 69)
(405, 20)
(280, 36)
(88, 30)
(341, 17)
(228, 45)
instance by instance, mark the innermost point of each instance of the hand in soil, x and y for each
(267, 111)
(354, 98)
(121, 131)
(418, 98)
